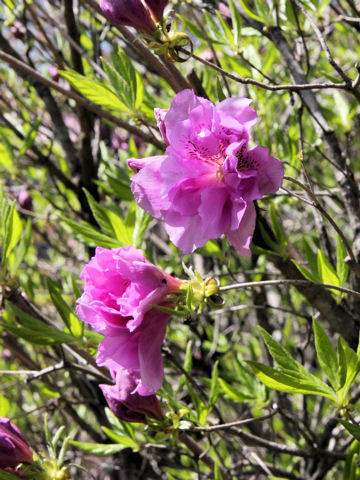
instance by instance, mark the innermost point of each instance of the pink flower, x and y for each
(25, 200)
(140, 14)
(206, 183)
(121, 287)
(14, 449)
(53, 72)
(127, 405)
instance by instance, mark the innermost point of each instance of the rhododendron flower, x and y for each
(121, 289)
(126, 404)
(206, 183)
(140, 14)
(14, 449)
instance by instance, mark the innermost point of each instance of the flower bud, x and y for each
(127, 405)
(25, 200)
(13, 446)
(53, 72)
(18, 30)
(143, 15)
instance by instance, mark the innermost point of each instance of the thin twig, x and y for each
(26, 69)
(251, 81)
(237, 423)
(237, 286)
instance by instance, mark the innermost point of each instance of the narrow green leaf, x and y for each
(349, 369)
(277, 228)
(236, 21)
(142, 220)
(249, 12)
(304, 272)
(36, 331)
(94, 91)
(120, 439)
(290, 382)
(214, 387)
(30, 138)
(195, 30)
(110, 223)
(7, 476)
(23, 247)
(12, 231)
(233, 393)
(69, 318)
(99, 449)
(91, 235)
(280, 355)
(188, 357)
(326, 270)
(353, 429)
(228, 34)
(326, 354)
(342, 269)
(217, 472)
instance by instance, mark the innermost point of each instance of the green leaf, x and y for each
(23, 247)
(110, 223)
(91, 235)
(326, 355)
(94, 91)
(72, 322)
(7, 476)
(5, 407)
(217, 472)
(277, 228)
(188, 357)
(142, 220)
(342, 269)
(281, 356)
(353, 429)
(290, 382)
(12, 232)
(195, 30)
(99, 449)
(214, 387)
(326, 270)
(121, 439)
(227, 30)
(349, 368)
(30, 138)
(236, 21)
(6, 157)
(36, 331)
(233, 393)
(304, 272)
(249, 12)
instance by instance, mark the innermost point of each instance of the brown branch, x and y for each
(166, 70)
(26, 69)
(296, 87)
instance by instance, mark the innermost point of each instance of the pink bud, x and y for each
(142, 15)
(25, 200)
(18, 30)
(13, 446)
(53, 72)
(127, 404)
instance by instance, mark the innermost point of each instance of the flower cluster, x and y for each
(14, 449)
(206, 183)
(120, 292)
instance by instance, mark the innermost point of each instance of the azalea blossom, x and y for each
(140, 14)
(14, 449)
(120, 292)
(127, 405)
(207, 182)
